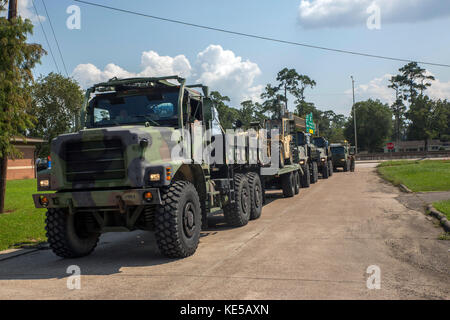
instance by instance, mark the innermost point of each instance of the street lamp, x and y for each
(354, 115)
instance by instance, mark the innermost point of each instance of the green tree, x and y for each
(374, 125)
(17, 59)
(304, 82)
(288, 82)
(273, 101)
(413, 81)
(227, 115)
(398, 108)
(57, 101)
(250, 112)
(428, 119)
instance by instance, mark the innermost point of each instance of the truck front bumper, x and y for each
(92, 199)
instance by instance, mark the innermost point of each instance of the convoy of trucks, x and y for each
(134, 165)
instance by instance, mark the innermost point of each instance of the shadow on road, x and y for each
(114, 252)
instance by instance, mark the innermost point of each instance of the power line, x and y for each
(45, 35)
(260, 37)
(56, 40)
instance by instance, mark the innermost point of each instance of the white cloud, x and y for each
(153, 65)
(156, 65)
(215, 67)
(26, 10)
(338, 13)
(439, 90)
(88, 74)
(378, 89)
(227, 73)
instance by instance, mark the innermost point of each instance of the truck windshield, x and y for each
(300, 138)
(319, 142)
(337, 150)
(158, 109)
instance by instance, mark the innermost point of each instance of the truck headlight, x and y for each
(155, 177)
(44, 183)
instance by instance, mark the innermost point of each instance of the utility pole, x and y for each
(354, 115)
(12, 13)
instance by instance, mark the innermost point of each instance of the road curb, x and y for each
(12, 253)
(440, 216)
(404, 188)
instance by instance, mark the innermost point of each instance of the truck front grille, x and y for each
(94, 160)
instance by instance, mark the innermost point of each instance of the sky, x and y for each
(110, 43)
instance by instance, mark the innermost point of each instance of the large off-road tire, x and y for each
(256, 195)
(178, 220)
(306, 178)
(67, 234)
(297, 181)
(330, 167)
(314, 172)
(237, 214)
(288, 184)
(352, 166)
(325, 171)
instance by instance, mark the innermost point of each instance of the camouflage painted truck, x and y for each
(118, 172)
(343, 156)
(326, 162)
(309, 158)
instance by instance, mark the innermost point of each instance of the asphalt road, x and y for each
(317, 245)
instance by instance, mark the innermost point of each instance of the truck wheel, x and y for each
(178, 220)
(325, 171)
(67, 234)
(288, 184)
(237, 214)
(314, 173)
(306, 178)
(330, 168)
(297, 182)
(256, 195)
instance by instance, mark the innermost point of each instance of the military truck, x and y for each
(326, 163)
(309, 158)
(343, 156)
(122, 170)
(286, 129)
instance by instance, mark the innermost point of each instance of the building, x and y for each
(417, 146)
(23, 168)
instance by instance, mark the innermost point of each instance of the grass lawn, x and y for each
(23, 223)
(444, 207)
(425, 175)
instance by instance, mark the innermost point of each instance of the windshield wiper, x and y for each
(146, 117)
